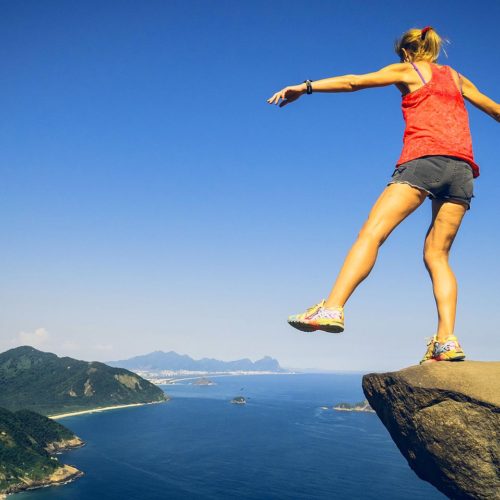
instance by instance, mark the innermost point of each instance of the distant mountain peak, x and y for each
(172, 361)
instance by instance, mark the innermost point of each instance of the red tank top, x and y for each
(436, 120)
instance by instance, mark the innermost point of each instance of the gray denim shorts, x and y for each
(442, 177)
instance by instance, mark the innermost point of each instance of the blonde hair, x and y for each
(421, 44)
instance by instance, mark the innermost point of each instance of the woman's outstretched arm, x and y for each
(480, 100)
(392, 74)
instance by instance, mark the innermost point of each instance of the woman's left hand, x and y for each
(287, 95)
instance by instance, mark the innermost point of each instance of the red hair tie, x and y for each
(424, 32)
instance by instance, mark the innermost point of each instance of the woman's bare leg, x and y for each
(446, 219)
(396, 202)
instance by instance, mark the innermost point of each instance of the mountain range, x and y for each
(171, 361)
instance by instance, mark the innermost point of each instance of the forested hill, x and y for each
(159, 360)
(48, 384)
(26, 440)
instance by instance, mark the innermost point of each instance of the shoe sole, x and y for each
(456, 358)
(435, 360)
(331, 328)
(302, 326)
(310, 328)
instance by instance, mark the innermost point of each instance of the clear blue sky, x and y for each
(151, 199)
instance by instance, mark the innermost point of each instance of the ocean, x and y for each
(280, 445)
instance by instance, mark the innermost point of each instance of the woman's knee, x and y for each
(373, 232)
(435, 256)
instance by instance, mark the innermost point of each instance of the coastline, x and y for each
(62, 475)
(98, 410)
(359, 410)
(159, 380)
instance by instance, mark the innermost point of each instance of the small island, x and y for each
(204, 381)
(362, 406)
(239, 400)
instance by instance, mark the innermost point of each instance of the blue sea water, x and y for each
(280, 445)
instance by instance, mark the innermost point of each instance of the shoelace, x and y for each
(314, 308)
(449, 345)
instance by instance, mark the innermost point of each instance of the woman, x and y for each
(436, 162)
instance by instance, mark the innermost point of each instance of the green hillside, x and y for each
(25, 438)
(48, 384)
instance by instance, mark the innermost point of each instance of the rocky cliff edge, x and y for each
(445, 420)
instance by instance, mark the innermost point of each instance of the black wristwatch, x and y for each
(309, 89)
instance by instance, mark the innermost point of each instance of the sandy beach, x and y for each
(96, 410)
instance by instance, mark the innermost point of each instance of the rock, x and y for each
(445, 420)
(64, 445)
(239, 400)
(62, 475)
(362, 406)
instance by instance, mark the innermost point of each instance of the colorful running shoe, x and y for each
(318, 317)
(449, 350)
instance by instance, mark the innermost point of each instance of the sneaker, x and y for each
(318, 317)
(449, 350)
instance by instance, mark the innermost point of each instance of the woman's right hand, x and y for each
(287, 95)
